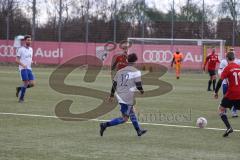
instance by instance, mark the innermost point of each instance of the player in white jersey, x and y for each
(125, 83)
(222, 65)
(24, 60)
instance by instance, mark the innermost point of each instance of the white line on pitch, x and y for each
(101, 120)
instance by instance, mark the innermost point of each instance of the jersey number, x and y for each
(237, 77)
(125, 78)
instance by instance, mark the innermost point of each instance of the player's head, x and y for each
(230, 56)
(231, 49)
(132, 58)
(177, 51)
(125, 52)
(213, 50)
(28, 40)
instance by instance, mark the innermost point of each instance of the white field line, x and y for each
(101, 120)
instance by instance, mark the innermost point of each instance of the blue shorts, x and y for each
(126, 109)
(224, 88)
(27, 75)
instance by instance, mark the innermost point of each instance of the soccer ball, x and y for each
(201, 122)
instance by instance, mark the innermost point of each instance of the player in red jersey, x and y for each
(119, 61)
(232, 97)
(212, 61)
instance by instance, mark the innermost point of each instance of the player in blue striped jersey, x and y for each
(125, 83)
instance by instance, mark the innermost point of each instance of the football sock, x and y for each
(23, 90)
(214, 84)
(225, 120)
(234, 110)
(134, 120)
(115, 121)
(209, 84)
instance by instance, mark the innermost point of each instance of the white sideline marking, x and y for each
(101, 120)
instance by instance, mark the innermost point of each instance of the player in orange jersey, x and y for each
(177, 60)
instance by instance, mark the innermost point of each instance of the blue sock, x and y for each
(134, 121)
(234, 110)
(115, 121)
(23, 90)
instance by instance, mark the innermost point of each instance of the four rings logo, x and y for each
(10, 51)
(157, 56)
(7, 51)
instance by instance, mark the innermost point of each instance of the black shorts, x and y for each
(227, 103)
(212, 72)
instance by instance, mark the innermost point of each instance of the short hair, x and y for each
(230, 56)
(27, 36)
(132, 58)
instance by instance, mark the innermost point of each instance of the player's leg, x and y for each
(234, 112)
(24, 75)
(214, 79)
(222, 113)
(176, 70)
(179, 71)
(116, 121)
(135, 123)
(209, 81)
(224, 91)
(31, 79)
(233, 109)
(224, 88)
(18, 89)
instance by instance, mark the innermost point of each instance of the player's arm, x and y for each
(218, 60)
(181, 58)
(219, 83)
(205, 63)
(114, 86)
(139, 87)
(114, 64)
(111, 97)
(18, 59)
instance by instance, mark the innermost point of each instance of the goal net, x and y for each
(160, 50)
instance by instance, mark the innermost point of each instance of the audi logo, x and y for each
(157, 56)
(7, 51)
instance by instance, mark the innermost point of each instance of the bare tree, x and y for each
(229, 8)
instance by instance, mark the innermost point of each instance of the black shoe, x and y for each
(102, 128)
(17, 91)
(178, 77)
(209, 89)
(227, 132)
(141, 132)
(234, 116)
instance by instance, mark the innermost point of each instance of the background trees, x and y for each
(100, 20)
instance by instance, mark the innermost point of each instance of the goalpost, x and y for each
(160, 50)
